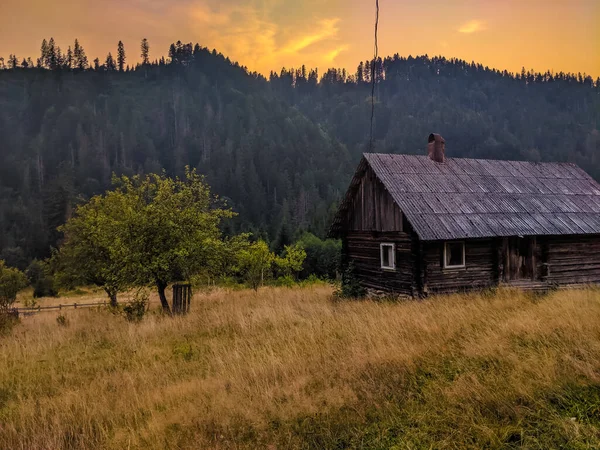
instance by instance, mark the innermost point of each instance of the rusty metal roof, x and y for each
(476, 198)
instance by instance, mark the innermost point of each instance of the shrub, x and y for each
(136, 309)
(42, 280)
(8, 320)
(286, 281)
(11, 282)
(62, 321)
(350, 287)
(322, 256)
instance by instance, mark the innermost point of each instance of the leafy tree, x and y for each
(255, 263)
(93, 251)
(169, 229)
(322, 256)
(290, 264)
(11, 282)
(121, 56)
(224, 260)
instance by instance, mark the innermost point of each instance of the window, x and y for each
(388, 258)
(454, 255)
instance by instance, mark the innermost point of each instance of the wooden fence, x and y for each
(60, 307)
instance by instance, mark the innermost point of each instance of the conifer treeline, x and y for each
(280, 151)
(53, 58)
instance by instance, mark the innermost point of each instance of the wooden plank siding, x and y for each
(572, 260)
(373, 208)
(363, 249)
(481, 271)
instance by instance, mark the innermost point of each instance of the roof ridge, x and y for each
(420, 156)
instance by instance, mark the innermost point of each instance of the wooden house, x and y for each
(413, 225)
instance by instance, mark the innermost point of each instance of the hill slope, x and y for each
(281, 151)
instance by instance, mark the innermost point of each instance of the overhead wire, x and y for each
(373, 72)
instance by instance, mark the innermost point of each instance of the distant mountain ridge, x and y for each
(281, 151)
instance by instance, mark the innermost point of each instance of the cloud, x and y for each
(472, 26)
(330, 57)
(249, 33)
(326, 28)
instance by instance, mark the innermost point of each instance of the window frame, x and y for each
(391, 267)
(464, 255)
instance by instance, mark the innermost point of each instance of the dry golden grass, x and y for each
(290, 368)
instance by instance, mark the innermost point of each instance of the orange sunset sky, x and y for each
(560, 35)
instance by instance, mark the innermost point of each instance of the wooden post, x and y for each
(182, 297)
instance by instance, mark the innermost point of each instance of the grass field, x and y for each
(290, 368)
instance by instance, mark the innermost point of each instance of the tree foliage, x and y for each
(290, 263)
(11, 282)
(169, 229)
(322, 256)
(93, 250)
(255, 263)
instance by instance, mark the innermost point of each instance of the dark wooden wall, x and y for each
(363, 249)
(572, 260)
(373, 208)
(481, 269)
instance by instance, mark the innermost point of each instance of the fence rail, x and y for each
(59, 307)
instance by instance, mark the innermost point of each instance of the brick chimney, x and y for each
(436, 149)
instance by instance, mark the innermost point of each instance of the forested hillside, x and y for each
(280, 151)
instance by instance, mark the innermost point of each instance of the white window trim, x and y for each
(464, 255)
(393, 261)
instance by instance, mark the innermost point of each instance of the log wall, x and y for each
(363, 249)
(572, 260)
(481, 269)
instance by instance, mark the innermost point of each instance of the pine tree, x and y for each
(2, 67)
(109, 64)
(44, 54)
(69, 58)
(60, 59)
(145, 47)
(173, 54)
(51, 59)
(96, 64)
(13, 61)
(121, 56)
(80, 60)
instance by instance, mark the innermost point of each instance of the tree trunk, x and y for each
(113, 298)
(163, 297)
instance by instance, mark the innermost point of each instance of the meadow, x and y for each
(295, 368)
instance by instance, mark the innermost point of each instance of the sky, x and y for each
(264, 35)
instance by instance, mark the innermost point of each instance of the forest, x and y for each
(279, 151)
